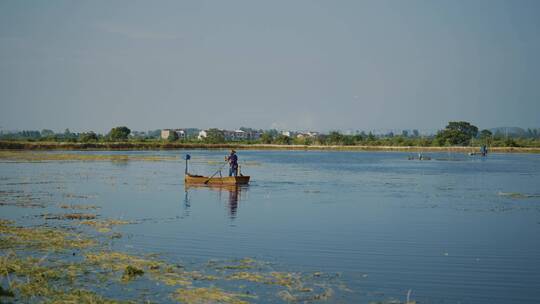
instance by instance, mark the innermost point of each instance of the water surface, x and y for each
(455, 229)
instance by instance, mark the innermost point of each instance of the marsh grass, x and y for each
(209, 295)
(104, 226)
(70, 216)
(20, 199)
(27, 156)
(42, 239)
(517, 195)
(78, 207)
(40, 265)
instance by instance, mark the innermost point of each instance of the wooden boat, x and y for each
(216, 180)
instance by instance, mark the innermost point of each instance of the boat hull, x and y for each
(205, 180)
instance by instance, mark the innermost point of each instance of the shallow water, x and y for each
(455, 229)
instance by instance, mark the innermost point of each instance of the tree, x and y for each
(119, 133)
(283, 140)
(30, 134)
(405, 133)
(359, 137)
(266, 138)
(335, 138)
(47, 133)
(69, 136)
(463, 127)
(214, 136)
(415, 133)
(173, 136)
(88, 137)
(484, 134)
(457, 133)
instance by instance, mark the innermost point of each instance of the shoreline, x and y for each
(44, 146)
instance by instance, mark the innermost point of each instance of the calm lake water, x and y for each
(454, 229)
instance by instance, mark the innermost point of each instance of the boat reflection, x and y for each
(233, 195)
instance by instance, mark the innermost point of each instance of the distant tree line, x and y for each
(121, 133)
(456, 133)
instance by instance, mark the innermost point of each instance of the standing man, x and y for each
(233, 163)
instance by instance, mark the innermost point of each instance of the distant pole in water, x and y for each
(188, 157)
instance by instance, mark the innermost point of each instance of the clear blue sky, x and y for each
(323, 65)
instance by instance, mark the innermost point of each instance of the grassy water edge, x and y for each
(58, 265)
(23, 145)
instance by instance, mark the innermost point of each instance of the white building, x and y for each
(235, 135)
(165, 133)
(288, 133)
(202, 135)
(307, 134)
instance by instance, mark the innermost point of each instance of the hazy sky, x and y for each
(92, 65)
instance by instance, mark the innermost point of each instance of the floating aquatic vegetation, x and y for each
(284, 279)
(117, 261)
(78, 207)
(298, 287)
(245, 263)
(23, 204)
(104, 226)
(116, 235)
(326, 294)
(70, 216)
(25, 156)
(169, 274)
(79, 196)
(39, 238)
(37, 277)
(209, 295)
(82, 296)
(517, 195)
(289, 280)
(20, 199)
(131, 272)
(58, 276)
(247, 276)
(29, 279)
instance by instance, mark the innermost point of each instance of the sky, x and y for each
(299, 65)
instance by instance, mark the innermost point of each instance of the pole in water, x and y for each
(187, 157)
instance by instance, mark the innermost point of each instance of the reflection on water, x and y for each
(232, 192)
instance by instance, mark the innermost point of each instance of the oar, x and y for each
(206, 182)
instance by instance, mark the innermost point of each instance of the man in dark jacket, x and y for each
(233, 163)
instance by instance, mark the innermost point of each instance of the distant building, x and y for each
(254, 135)
(243, 135)
(307, 134)
(202, 135)
(289, 133)
(236, 135)
(165, 133)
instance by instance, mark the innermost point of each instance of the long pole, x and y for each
(206, 182)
